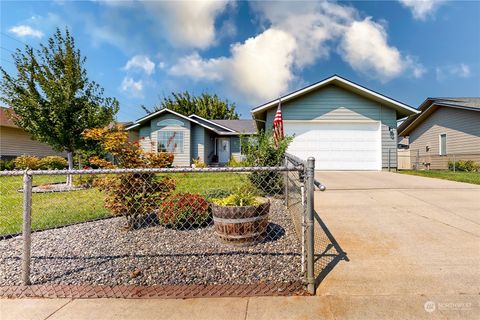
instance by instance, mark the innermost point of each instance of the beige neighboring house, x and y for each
(14, 141)
(446, 129)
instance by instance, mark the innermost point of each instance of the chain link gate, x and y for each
(320, 250)
(157, 226)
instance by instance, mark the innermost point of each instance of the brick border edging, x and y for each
(155, 291)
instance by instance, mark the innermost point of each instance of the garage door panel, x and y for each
(337, 146)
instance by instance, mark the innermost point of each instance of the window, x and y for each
(442, 150)
(170, 141)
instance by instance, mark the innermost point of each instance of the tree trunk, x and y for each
(70, 167)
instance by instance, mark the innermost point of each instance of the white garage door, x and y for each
(337, 146)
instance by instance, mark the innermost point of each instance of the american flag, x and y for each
(278, 124)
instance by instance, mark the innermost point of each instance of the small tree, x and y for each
(52, 97)
(206, 106)
(133, 195)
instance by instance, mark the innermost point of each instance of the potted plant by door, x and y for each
(241, 218)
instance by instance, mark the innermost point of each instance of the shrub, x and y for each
(52, 163)
(133, 195)
(184, 210)
(237, 200)
(198, 163)
(7, 165)
(24, 162)
(235, 163)
(261, 151)
(464, 165)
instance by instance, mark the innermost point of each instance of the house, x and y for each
(193, 137)
(445, 128)
(344, 125)
(14, 141)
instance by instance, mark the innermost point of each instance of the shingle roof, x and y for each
(5, 118)
(241, 126)
(471, 102)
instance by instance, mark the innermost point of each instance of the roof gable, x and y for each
(430, 105)
(217, 126)
(401, 108)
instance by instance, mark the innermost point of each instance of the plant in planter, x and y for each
(241, 218)
(184, 211)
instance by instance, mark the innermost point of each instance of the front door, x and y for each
(223, 150)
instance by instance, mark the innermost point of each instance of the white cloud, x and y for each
(197, 68)
(188, 23)
(365, 47)
(26, 31)
(132, 87)
(313, 24)
(295, 37)
(257, 69)
(460, 70)
(141, 62)
(421, 9)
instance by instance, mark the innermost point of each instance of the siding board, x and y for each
(180, 159)
(462, 128)
(15, 142)
(198, 141)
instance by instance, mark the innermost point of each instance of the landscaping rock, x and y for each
(102, 252)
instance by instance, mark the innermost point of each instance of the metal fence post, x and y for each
(286, 182)
(27, 226)
(309, 185)
(454, 164)
(389, 159)
(418, 159)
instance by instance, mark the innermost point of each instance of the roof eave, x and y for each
(212, 122)
(408, 127)
(340, 80)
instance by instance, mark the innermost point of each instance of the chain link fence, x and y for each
(158, 226)
(416, 159)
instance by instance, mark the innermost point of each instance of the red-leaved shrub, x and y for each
(184, 210)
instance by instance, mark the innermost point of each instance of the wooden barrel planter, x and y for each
(241, 225)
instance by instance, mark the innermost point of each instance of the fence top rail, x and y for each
(295, 159)
(147, 170)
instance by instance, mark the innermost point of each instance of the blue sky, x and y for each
(252, 52)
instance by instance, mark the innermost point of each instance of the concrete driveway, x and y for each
(409, 240)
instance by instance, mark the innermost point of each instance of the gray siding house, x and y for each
(210, 141)
(446, 127)
(343, 125)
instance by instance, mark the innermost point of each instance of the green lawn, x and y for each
(48, 209)
(62, 208)
(202, 182)
(468, 177)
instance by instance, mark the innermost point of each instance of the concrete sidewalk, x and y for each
(275, 308)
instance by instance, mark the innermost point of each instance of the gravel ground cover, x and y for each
(102, 252)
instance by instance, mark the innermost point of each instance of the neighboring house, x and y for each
(343, 125)
(210, 141)
(445, 128)
(14, 141)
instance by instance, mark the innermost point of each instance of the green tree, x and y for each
(52, 97)
(206, 106)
